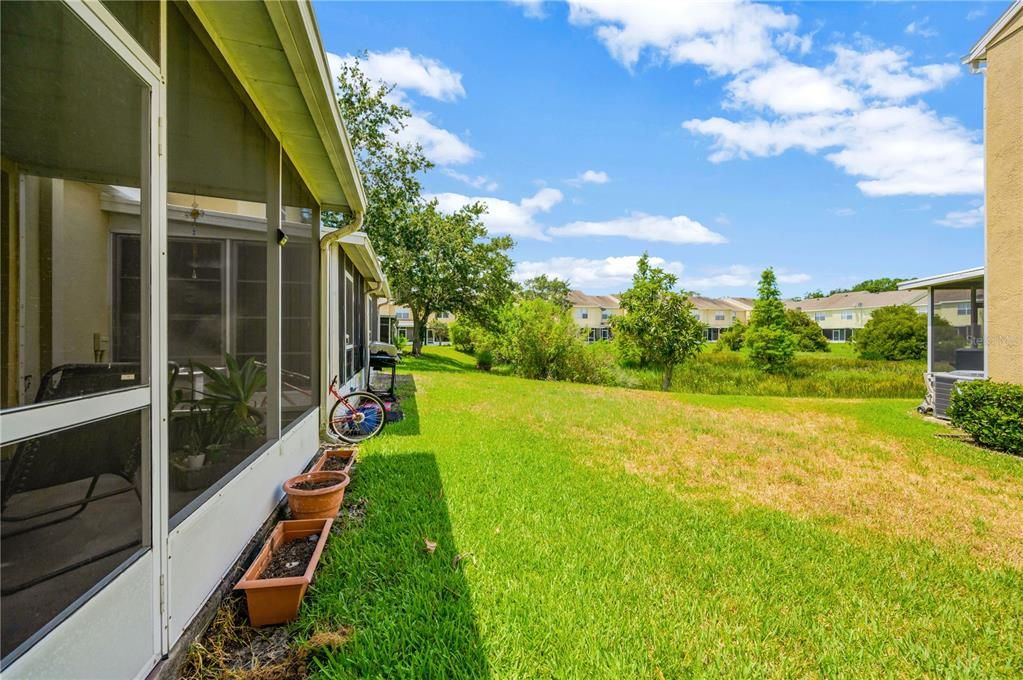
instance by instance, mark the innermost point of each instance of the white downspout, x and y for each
(327, 337)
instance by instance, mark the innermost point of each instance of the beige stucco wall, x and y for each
(1004, 204)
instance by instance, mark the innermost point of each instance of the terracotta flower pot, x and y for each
(345, 456)
(276, 600)
(320, 503)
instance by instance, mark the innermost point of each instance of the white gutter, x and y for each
(326, 241)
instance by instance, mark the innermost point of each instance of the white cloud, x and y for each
(843, 212)
(963, 219)
(854, 107)
(787, 88)
(921, 28)
(477, 182)
(887, 74)
(722, 220)
(607, 274)
(724, 37)
(895, 150)
(590, 177)
(428, 77)
(407, 71)
(642, 227)
(503, 216)
(439, 145)
(533, 9)
(976, 13)
(737, 276)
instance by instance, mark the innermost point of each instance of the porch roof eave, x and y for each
(949, 280)
(275, 52)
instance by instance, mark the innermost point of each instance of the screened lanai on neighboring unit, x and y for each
(164, 170)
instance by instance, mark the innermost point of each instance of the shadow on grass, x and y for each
(405, 387)
(429, 362)
(408, 609)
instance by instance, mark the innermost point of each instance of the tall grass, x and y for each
(813, 375)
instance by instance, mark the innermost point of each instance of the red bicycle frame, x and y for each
(337, 395)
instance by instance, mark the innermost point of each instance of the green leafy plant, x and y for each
(732, 338)
(232, 392)
(771, 344)
(991, 412)
(401, 343)
(658, 321)
(461, 336)
(207, 431)
(895, 333)
(485, 360)
(808, 334)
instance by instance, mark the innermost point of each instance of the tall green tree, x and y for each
(390, 168)
(881, 285)
(658, 321)
(771, 344)
(549, 288)
(446, 262)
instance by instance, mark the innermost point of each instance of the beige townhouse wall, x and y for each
(1004, 203)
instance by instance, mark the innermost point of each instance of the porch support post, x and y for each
(930, 330)
(273, 289)
(319, 326)
(973, 317)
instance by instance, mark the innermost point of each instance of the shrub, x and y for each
(539, 339)
(732, 338)
(485, 360)
(992, 413)
(808, 334)
(461, 337)
(895, 333)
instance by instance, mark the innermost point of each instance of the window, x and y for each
(963, 309)
(74, 133)
(711, 334)
(401, 313)
(820, 316)
(719, 316)
(696, 313)
(583, 314)
(846, 315)
(605, 314)
(443, 315)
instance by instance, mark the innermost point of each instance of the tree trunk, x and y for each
(418, 332)
(666, 378)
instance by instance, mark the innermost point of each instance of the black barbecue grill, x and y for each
(383, 356)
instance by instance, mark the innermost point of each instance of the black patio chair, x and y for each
(107, 447)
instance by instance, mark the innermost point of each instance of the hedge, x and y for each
(992, 413)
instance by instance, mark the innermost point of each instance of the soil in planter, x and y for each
(312, 486)
(334, 464)
(291, 559)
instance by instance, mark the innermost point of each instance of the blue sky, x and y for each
(832, 141)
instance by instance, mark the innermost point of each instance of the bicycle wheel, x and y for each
(362, 418)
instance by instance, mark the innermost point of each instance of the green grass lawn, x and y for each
(600, 532)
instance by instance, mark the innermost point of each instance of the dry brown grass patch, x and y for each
(815, 465)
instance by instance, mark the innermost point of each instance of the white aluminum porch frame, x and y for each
(96, 636)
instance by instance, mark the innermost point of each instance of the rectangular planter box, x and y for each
(347, 454)
(273, 601)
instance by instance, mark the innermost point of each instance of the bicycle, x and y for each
(364, 415)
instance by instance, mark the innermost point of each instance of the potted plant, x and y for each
(276, 582)
(206, 430)
(336, 459)
(316, 495)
